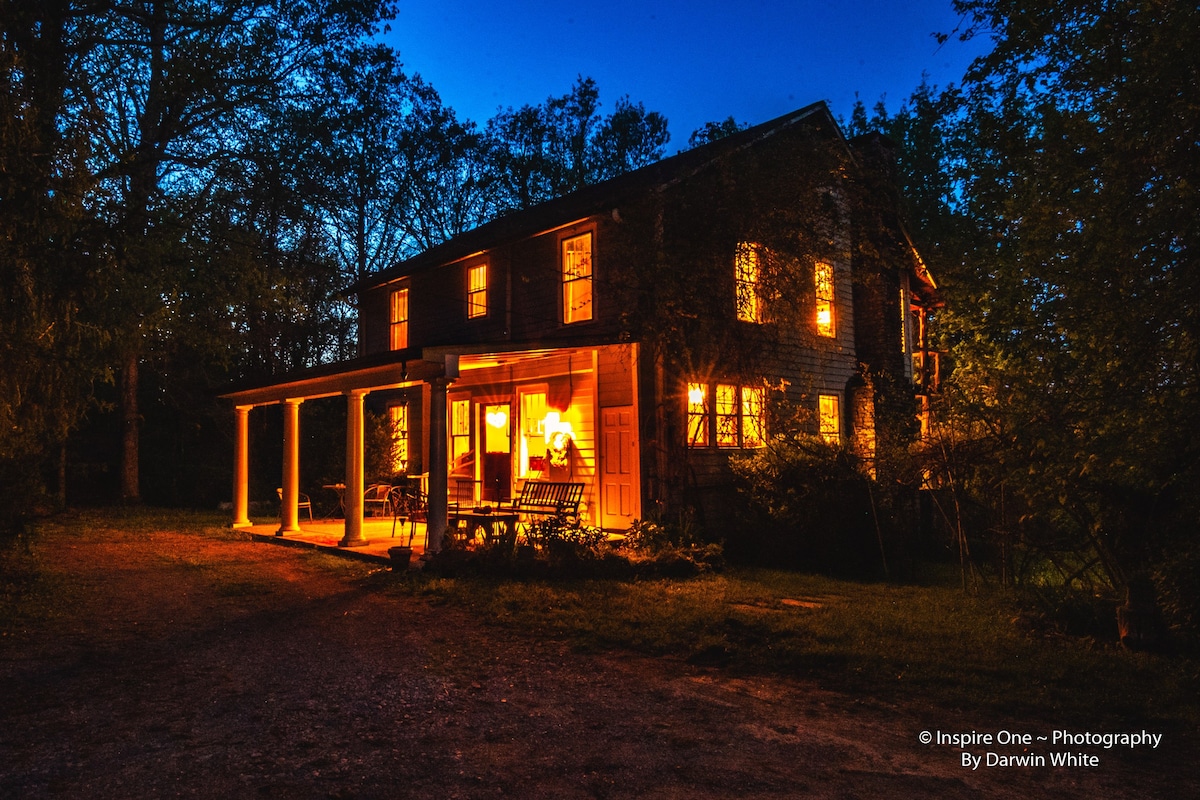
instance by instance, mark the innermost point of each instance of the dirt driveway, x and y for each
(189, 666)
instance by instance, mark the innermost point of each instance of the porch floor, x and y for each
(324, 534)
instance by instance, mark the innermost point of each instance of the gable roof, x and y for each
(597, 198)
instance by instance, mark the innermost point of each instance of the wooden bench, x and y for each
(548, 498)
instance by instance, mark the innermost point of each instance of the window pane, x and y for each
(577, 278)
(727, 416)
(477, 291)
(752, 417)
(746, 273)
(697, 415)
(830, 417)
(399, 419)
(823, 277)
(399, 319)
(460, 432)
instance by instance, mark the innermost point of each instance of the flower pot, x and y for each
(401, 557)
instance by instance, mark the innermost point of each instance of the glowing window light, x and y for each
(697, 415)
(830, 418)
(746, 263)
(477, 291)
(727, 415)
(823, 279)
(577, 279)
(399, 319)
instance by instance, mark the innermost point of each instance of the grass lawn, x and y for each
(906, 643)
(934, 643)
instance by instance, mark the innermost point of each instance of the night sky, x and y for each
(694, 61)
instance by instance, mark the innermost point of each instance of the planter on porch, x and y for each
(401, 557)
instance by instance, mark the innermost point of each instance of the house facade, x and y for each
(631, 336)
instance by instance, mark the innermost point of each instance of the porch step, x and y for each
(351, 553)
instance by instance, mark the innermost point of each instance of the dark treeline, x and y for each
(187, 187)
(1055, 195)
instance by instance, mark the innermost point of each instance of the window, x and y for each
(736, 420)
(830, 418)
(477, 291)
(697, 415)
(532, 445)
(823, 278)
(399, 419)
(399, 318)
(746, 270)
(727, 415)
(460, 431)
(753, 417)
(577, 279)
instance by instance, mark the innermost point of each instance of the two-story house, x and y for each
(631, 335)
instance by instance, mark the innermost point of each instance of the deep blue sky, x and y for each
(694, 62)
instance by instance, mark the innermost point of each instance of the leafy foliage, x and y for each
(1053, 194)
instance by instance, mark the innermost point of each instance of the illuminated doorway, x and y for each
(497, 453)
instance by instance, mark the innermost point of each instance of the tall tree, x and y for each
(50, 339)
(1075, 318)
(174, 83)
(541, 152)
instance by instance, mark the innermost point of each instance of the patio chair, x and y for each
(377, 500)
(410, 505)
(304, 503)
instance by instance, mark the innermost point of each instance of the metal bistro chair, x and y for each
(377, 500)
(305, 502)
(409, 504)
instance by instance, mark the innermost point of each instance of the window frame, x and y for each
(825, 298)
(699, 411)
(477, 292)
(398, 318)
(398, 416)
(575, 309)
(829, 418)
(725, 416)
(747, 282)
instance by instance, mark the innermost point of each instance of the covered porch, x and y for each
(326, 535)
(484, 423)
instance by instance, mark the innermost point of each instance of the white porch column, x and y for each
(241, 467)
(289, 516)
(438, 465)
(354, 470)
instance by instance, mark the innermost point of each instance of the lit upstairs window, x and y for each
(477, 291)
(746, 270)
(697, 415)
(830, 418)
(399, 319)
(577, 279)
(823, 279)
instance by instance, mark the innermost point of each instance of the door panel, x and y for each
(619, 500)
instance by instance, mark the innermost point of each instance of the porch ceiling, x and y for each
(367, 374)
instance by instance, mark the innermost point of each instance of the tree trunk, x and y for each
(130, 428)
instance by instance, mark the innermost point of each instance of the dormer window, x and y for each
(823, 280)
(577, 279)
(477, 291)
(399, 319)
(746, 270)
